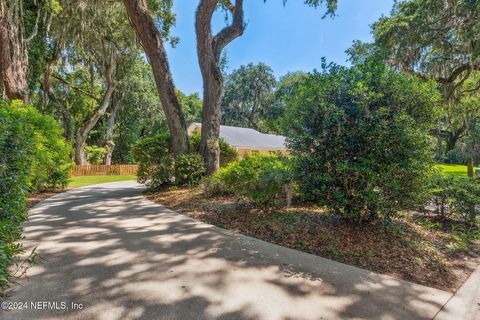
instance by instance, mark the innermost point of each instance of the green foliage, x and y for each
(455, 196)
(472, 139)
(434, 40)
(458, 155)
(155, 160)
(191, 105)
(214, 185)
(95, 154)
(50, 163)
(189, 169)
(157, 165)
(276, 122)
(431, 37)
(227, 153)
(33, 156)
(361, 138)
(140, 111)
(260, 178)
(248, 96)
(17, 147)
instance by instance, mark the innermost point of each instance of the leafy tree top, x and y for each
(433, 39)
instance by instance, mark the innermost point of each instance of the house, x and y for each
(246, 140)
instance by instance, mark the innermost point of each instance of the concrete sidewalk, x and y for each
(109, 253)
(465, 304)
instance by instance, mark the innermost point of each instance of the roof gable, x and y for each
(247, 137)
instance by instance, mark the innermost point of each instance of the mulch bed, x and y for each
(416, 247)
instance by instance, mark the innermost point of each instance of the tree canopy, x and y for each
(248, 95)
(435, 39)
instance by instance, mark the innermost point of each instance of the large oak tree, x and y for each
(248, 97)
(209, 51)
(436, 39)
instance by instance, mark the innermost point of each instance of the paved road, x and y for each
(117, 255)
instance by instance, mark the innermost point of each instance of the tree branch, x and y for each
(230, 7)
(455, 73)
(76, 88)
(477, 87)
(35, 30)
(229, 33)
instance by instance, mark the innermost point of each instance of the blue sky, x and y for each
(287, 38)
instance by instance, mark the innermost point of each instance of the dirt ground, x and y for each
(35, 198)
(416, 247)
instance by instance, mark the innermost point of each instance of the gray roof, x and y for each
(246, 137)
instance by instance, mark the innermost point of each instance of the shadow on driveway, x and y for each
(124, 257)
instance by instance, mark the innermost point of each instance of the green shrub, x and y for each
(157, 165)
(33, 156)
(361, 139)
(155, 160)
(94, 154)
(214, 186)
(189, 169)
(50, 162)
(262, 179)
(17, 148)
(443, 192)
(455, 196)
(227, 153)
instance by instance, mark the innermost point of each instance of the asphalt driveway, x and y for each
(109, 253)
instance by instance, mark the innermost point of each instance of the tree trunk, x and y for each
(109, 144)
(470, 166)
(212, 97)
(152, 43)
(209, 49)
(450, 143)
(84, 130)
(46, 83)
(80, 147)
(452, 138)
(66, 119)
(13, 57)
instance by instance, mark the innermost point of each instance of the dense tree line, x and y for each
(69, 58)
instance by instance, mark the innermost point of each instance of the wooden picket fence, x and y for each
(104, 170)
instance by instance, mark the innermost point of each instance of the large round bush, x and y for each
(361, 139)
(155, 160)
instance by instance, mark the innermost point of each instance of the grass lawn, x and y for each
(416, 247)
(83, 181)
(454, 169)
